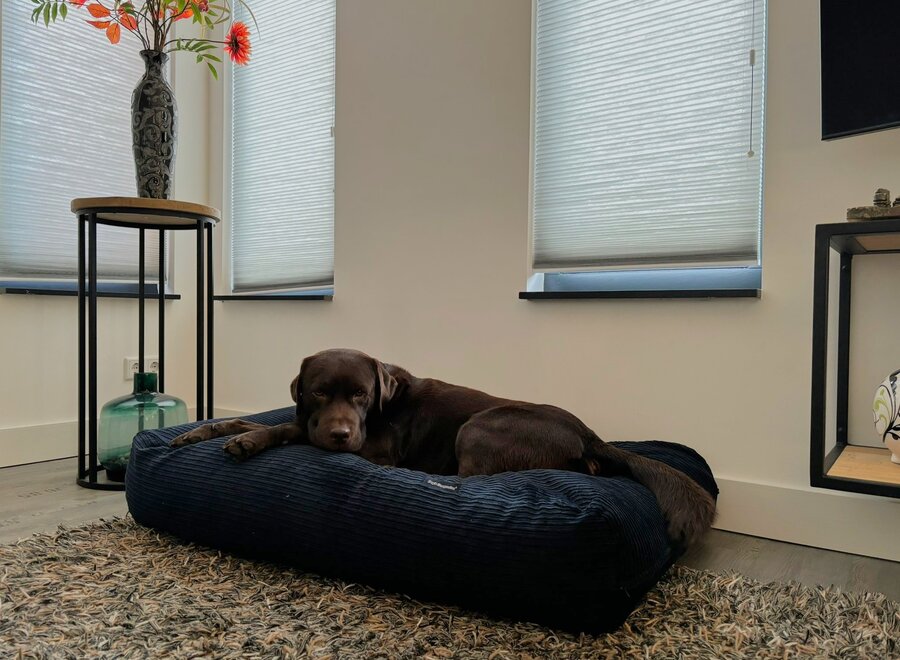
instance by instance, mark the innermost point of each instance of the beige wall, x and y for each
(432, 178)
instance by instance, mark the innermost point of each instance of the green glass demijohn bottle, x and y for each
(123, 418)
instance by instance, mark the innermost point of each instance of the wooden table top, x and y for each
(146, 211)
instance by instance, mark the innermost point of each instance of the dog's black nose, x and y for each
(340, 435)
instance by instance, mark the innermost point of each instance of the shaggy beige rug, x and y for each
(117, 590)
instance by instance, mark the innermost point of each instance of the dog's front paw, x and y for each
(241, 446)
(199, 434)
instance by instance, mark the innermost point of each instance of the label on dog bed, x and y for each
(438, 484)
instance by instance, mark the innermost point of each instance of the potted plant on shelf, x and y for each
(151, 24)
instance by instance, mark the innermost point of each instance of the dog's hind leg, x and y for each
(215, 430)
(517, 437)
(530, 436)
(688, 508)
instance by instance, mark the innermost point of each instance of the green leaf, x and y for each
(55, 11)
(212, 70)
(212, 57)
(64, 10)
(47, 15)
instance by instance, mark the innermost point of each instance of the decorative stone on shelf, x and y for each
(881, 208)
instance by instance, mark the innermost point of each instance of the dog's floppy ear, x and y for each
(297, 384)
(385, 385)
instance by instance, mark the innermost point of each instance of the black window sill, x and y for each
(70, 289)
(684, 283)
(662, 294)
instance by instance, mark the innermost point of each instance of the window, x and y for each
(282, 162)
(65, 132)
(648, 134)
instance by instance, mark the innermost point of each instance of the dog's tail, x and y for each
(688, 508)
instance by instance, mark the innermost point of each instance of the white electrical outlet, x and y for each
(151, 364)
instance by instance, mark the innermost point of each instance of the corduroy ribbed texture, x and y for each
(560, 548)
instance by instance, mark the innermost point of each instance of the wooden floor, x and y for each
(40, 496)
(37, 498)
(774, 561)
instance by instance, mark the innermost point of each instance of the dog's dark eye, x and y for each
(360, 394)
(319, 393)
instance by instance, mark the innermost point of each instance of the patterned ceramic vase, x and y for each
(887, 415)
(153, 128)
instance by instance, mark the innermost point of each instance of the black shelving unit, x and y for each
(835, 470)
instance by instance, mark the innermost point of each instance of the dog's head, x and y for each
(335, 391)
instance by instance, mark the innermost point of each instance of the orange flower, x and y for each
(77, 3)
(237, 43)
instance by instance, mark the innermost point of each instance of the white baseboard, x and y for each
(48, 442)
(847, 522)
(858, 524)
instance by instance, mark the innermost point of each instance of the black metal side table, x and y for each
(143, 214)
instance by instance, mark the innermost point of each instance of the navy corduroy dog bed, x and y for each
(560, 548)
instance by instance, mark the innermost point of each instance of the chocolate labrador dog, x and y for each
(348, 401)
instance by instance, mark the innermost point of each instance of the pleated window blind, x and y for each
(282, 186)
(648, 133)
(65, 132)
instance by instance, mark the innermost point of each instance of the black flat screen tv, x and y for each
(860, 66)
